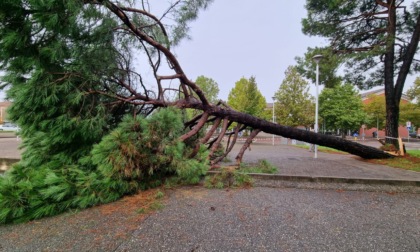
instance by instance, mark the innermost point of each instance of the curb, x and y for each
(326, 179)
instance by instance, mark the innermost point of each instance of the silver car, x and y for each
(9, 127)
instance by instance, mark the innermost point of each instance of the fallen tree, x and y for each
(210, 111)
(105, 50)
(94, 127)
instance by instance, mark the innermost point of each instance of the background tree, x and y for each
(328, 66)
(414, 92)
(376, 112)
(209, 87)
(341, 108)
(379, 40)
(410, 112)
(245, 97)
(294, 104)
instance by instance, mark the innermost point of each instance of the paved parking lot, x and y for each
(9, 146)
(256, 219)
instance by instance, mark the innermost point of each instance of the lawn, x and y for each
(411, 161)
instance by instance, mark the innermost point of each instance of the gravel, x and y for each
(286, 219)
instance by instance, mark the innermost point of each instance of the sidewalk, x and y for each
(299, 165)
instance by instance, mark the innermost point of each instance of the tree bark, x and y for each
(391, 101)
(247, 143)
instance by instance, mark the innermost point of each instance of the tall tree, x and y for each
(245, 97)
(294, 105)
(378, 39)
(341, 108)
(328, 66)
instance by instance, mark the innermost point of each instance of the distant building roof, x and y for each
(381, 91)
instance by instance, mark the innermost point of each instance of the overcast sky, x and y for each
(244, 38)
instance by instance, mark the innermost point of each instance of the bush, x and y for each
(228, 178)
(139, 154)
(263, 166)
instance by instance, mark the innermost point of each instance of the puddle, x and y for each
(5, 163)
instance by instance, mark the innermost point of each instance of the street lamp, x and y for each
(316, 58)
(274, 118)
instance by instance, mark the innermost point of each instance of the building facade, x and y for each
(3, 111)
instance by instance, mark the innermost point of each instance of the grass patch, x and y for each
(234, 177)
(414, 153)
(411, 161)
(228, 178)
(151, 202)
(263, 166)
(322, 149)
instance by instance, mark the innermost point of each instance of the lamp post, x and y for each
(274, 118)
(316, 58)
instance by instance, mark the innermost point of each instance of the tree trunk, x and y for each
(392, 119)
(391, 101)
(302, 135)
(224, 112)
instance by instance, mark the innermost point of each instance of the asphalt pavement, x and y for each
(255, 219)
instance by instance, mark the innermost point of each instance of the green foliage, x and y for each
(187, 12)
(375, 110)
(245, 97)
(228, 179)
(410, 112)
(328, 66)
(294, 105)
(138, 154)
(414, 92)
(263, 166)
(209, 87)
(361, 50)
(159, 195)
(341, 108)
(414, 153)
(211, 90)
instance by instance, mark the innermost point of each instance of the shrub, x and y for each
(228, 178)
(139, 154)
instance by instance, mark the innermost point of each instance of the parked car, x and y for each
(9, 127)
(414, 135)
